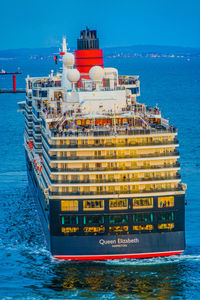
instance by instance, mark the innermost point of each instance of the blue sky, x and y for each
(35, 24)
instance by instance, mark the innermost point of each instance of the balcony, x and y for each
(110, 132)
(134, 181)
(27, 118)
(75, 170)
(28, 126)
(145, 191)
(108, 158)
(37, 140)
(45, 84)
(38, 132)
(110, 145)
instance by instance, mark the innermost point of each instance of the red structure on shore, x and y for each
(14, 90)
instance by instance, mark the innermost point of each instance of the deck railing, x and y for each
(109, 132)
(145, 191)
(107, 145)
(75, 170)
(134, 181)
(110, 157)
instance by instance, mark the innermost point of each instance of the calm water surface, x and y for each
(27, 270)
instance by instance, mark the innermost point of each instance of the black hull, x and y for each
(122, 246)
(104, 246)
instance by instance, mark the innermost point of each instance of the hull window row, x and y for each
(118, 219)
(117, 204)
(117, 229)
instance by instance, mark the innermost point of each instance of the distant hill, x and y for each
(128, 51)
(144, 50)
(28, 53)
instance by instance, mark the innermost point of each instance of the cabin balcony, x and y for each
(99, 159)
(119, 131)
(124, 146)
(111, 170)
(134, 181)
(117, 193)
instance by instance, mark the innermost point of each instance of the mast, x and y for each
(64, 44)
(65, 82)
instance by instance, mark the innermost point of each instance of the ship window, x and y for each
(146, 217)
(134, 90)
(69, 205)
(69, 220)
(35, 93)
(99, 229)
(93, 204)
(91, 220)
(73, 154)
(168, 226)
(42, 93)
(109, 142)
(165, 202)
(118, 228)
(75, 189)
(165, 216)
(118, 219)
(118, 204)
(73, 142)
(142, 203)
(69, 229)
(83, 142)
(86, 178)
(143, 227)
(74, 177)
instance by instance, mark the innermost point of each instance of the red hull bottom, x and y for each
(117, 256)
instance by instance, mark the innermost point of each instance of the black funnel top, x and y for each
(88, 40)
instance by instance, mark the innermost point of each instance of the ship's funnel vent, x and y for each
(88, 40)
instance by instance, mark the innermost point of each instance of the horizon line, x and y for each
(106, 47)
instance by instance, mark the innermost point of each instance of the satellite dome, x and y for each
(73, 75)
(96, 73)
(68, 60)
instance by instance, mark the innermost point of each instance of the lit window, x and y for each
(69, 229)
(75, 189)
(100, 229)
(118, 219)
(165, 202)
(118, 228)
(165, 216)
(69, 220)
(143, 227)
(144, 217)
(69, 205)
(73, 142)
(142, 203)
(87, 122)
(168, 226)
(91, 220)
(111, 189)
(93, 204)
(118, 204)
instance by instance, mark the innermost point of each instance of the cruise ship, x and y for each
(102, 166)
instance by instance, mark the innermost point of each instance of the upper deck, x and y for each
(90, 112)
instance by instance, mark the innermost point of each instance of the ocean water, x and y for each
(27, 270)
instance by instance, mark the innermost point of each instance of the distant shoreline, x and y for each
(151, 51)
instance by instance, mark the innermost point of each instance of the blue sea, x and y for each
(27, 270)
